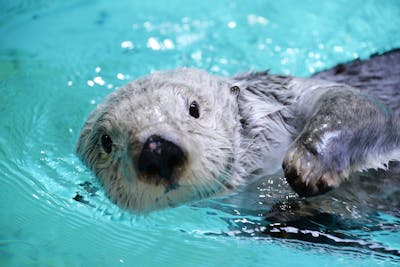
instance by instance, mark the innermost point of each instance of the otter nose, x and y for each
(160, 156)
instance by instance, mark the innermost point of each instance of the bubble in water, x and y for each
(153, 43)
(127, 45)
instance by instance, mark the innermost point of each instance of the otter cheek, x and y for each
(128, 171)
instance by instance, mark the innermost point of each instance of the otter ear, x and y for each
(235, 90)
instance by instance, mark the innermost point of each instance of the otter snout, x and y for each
(160, 158)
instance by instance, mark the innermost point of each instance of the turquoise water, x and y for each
(58, 59)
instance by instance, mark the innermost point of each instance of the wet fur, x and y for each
(379, 76)
(247, 136)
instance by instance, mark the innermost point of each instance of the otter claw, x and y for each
(306, 174)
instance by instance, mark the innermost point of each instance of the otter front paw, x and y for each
(307, 174)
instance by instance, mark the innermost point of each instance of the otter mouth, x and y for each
(160, 162)
(169, 183)
(171, 187)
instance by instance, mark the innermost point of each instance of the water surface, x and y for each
(58, 60)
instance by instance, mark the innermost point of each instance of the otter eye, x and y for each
(194, 110)
(106, 143)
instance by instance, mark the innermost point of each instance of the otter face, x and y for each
(164, 140)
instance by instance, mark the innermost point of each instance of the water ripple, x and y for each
(59, 60)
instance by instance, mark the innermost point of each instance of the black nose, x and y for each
(160, 156)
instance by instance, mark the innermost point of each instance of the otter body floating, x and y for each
(182, 135)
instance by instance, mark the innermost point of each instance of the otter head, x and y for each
(163, 140)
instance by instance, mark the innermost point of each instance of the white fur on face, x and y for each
(159, 105)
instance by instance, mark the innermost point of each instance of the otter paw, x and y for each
(306, 173)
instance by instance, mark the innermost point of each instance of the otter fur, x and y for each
(183, 135)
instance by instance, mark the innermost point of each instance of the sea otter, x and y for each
(182, 135)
